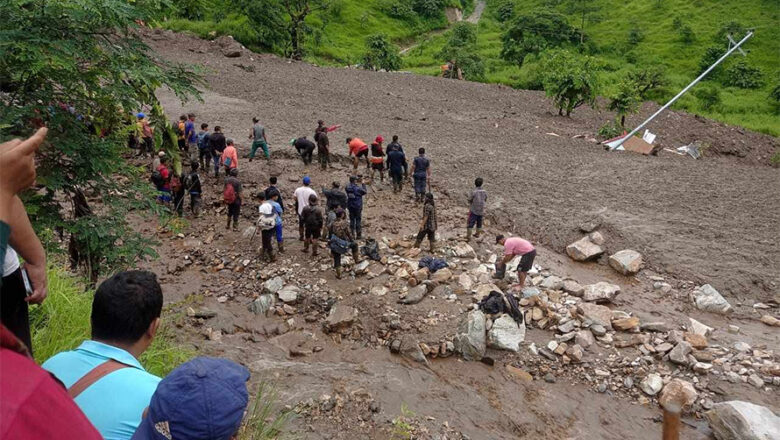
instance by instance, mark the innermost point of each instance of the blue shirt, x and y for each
(189, 131)
(278, 210)
(115, 403)
(355, 195)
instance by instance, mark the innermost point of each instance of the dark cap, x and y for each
(204, 398)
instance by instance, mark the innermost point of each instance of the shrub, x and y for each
(625, 101)
(708, 96)
(686, 34)
(709, 57)
(381, 54)
(743, 75)
(647, 80)
(774, 97)
(534, 33)
(635, 36)
(571, 80)
(428, 8)
(401, 9)
(505, 11)
(677, 23)
(461, 51)
(610, 130)
(733, 28)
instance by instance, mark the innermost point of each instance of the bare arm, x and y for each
(26, 243)
(507, 259)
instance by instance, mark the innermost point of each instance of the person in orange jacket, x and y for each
(229, 157)
(358, 149)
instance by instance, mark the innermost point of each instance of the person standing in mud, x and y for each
(192, 184)
(323, 148)
(514, 246)
(477, 200)
(377, 159)
(217, 144)
(305, 148)
(180, 133)
(273, 189)
(396, 166)
(259, 139)
(189, 133)
(147, 135)
(178, 191)
(355, 192)
(229, 157)
(312, 220)
(301, 195)
(421, 172)
(203, 146)
(231, 195)
(273, 199)
(341, 241)
(335, 198)
(428, 225)
(396, 146)
(267, 225)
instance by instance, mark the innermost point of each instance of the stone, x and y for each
(596, 238)
(465, 282)
(733, 329)
(584, 338)
(601, 315)
(566, 327)
(598, 330)
(626, 262)
(589, 226)
(680, 352)
(583, 250)
(415, 295)
(600, 292)
(273, 285)
(288, 294)
(442, 275)
(506, 334)
(575, 353)
(549, 378)
(531, 291)
(483, 290)
(678, 394)
(410, 348)
(738, 420)
(572, 287)
(519, 374)
(231, 53)
(262, 304)
(742, 346)
(551, 283)
(656, 326)
(463, 250)
(702, 367)
(663, 347)
(710, 300)
(699, 328)
(770, 321)
(698, 342)
(470, 340)
(756, 381)
(362, 267)
(379, 290)
(340, 317)
(651, 384)
(626, 324)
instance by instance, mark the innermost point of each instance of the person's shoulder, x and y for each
(58, 360)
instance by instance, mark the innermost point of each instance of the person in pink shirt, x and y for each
(514, 246)
(229, 157)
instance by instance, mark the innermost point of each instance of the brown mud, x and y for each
(714, 221)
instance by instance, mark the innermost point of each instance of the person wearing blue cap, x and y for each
(302, 194)
(202, 399)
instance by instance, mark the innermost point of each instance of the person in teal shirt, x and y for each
(103, 374)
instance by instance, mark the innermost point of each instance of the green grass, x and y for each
(263, 420)
(62, 322)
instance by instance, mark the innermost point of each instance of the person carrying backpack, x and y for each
(192, 184)
(340, 241)
(229, 157)
(312, 221)
(203, 146)
(189, 132)
(178, 191)
(180, 132)
(335, 198)
(231, 196)
(279, 211)
(217, 144)
(161, 179)
(267, 225)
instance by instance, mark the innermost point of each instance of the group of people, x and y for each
(99, 390)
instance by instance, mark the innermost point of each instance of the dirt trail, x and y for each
(677, 212)
(474, 18)
(477, 14)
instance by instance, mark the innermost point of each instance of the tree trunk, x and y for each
(76, 248)
(294, 36)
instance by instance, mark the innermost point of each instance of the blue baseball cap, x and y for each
(141, 115)
(306, 180)
(204, 399)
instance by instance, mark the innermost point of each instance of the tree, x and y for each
(269, 21)
(275, 18)
(712, 54)
(505, 11)
(708, 96)
(647, 79)
(587, 11)
(535, 33)
(743, 75)
(625, 101)
(381, 54)
(461, 51)
(774, 97)
(82, 69)
(570, 80)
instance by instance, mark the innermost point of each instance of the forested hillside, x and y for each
(666, 42)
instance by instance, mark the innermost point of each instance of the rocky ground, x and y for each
(391, 350)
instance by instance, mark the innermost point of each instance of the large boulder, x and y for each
(737, 420)
(678, 394)
(288, 294)
(551, 283)
(601, 315)
(262, 304)
(340, 317)
(600, 292)
(708, 299)
(484, 290)
(273, 285)
(572, 287)
(470, 339)
(442, 275)
(506, 334)
(415, 295)
(584, 249)
(627, 262)
(465, 282)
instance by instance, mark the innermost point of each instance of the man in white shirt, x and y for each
(301, 195)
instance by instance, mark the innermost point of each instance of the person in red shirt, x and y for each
(34, 404)
(165, 188)
(358, 149)
(378, 158)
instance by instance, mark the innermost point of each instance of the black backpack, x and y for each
(157, 179)
(497, 302)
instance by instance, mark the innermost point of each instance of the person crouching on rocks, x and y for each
(514, 246)
(341, 241)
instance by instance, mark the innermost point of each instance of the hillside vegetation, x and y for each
(673, 37)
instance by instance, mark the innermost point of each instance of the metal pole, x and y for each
(671, 424)
(688, 87)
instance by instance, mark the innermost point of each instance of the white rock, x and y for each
(465, 282)
(627, 262)
(288, 294)
(708, 299)
(737, 420)
(273, 285)
(506, 334)
(600, 292)
(596, 238)
(484, 290)
(362, 267)
(699, 328)
(463, 250)
(651, 384)
(583, 249)
(552, 283)
(573, 287)
(379, 290)
(470, 340)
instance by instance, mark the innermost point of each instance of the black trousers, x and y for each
(13, 307)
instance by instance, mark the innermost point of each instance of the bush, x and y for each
(505, 11)
(733, 28)
(708, 96)
(677, 23)
(571, 80)
(774, 97)
(626, 101)
(428, 8)
(686, 34)
(744, 76)
(647, 80)
(710, 56)
(635, 36)
(461, 50)
(381, 54)
(610, 130)
(401, 9)
(534, 33)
